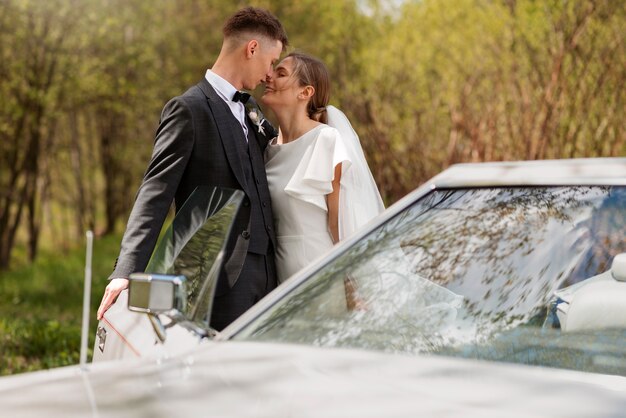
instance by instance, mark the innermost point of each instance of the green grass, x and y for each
(41, 307)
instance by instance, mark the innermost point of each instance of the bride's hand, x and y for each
(112, 291)
(354, 300)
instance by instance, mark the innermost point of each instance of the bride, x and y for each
(321, 187)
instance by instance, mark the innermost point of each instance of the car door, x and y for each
(192, 249)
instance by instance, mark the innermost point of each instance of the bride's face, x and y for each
(282, 88)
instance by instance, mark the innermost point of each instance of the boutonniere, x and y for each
(257, 120)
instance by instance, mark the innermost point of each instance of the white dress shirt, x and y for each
(226, 91)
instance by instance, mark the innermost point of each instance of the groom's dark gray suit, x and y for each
(200, 142)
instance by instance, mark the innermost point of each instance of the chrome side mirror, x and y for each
(156, 293)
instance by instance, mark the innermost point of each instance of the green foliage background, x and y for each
(426, 83)
(41, 307)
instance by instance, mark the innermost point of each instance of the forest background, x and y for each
(425, 83)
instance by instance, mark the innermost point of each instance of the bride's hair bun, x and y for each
(320, 114)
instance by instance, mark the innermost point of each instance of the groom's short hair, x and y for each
(253, 20)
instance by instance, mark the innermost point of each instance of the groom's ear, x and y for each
(252, 47)
(307, 92)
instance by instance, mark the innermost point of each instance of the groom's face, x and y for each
(261, 64)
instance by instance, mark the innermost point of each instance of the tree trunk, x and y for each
(111, 131)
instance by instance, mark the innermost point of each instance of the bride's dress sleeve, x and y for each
(312, 179)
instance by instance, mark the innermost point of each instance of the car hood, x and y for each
(242, 379)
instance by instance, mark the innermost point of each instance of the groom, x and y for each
(205, 138)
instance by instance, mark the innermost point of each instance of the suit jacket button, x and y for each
(264, 204)
(246, 203)
(245, 235)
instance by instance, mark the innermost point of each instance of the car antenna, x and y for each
(86, 301)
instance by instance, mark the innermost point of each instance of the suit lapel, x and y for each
(229, 129)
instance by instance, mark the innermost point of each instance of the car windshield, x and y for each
(477, 273)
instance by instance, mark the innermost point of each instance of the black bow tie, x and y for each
(241, 96)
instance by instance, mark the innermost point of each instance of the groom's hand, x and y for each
(112, 291)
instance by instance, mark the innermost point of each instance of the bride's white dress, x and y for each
(300, 212)
(300, 175)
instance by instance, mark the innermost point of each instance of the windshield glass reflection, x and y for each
(467, 273)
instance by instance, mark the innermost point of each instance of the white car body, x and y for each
(225, 378)
(230, 379)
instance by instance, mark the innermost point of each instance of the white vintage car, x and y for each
(494, 290)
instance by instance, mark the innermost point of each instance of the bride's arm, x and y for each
(353, 299)
(332, 201)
